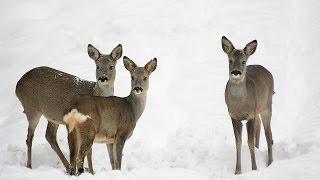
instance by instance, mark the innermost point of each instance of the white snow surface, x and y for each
(185, 131)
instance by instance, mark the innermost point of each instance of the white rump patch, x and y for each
(74, 114)
(73, 118)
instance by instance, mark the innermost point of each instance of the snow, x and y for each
(185, 131)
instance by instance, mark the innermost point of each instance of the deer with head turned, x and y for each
(248, 96)
(46, 91)
(107, 119)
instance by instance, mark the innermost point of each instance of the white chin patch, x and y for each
(103, 82)
(138, 92)
(235, 76)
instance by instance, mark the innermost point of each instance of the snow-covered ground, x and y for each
(185, 131)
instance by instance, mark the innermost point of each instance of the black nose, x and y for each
(138, 89)
(236, 72)
(103, 79)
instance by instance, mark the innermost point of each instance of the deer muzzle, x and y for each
(236, 73)
(103, 79)
(138, 90)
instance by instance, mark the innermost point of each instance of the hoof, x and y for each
(88, 170)
(80, 171)
(269, 162)
(237, 171)
(72, 171)
(29, 166)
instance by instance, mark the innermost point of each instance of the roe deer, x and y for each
(248, 96)
(107, 119)
(46, 91)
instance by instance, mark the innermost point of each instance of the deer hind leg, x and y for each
(51, 136)
(85, 134)
(33, 119)
(266, 120)
(89, 158)
(257, 131)
(251, 134)
(237, 128)
(110, 152)
(84, 150)
(80, 160)
(73, 149)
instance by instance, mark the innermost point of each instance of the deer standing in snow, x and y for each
(46, 91)
(107, 119)
(248, 95)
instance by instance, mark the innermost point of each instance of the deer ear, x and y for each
(251, 47)
(151, 65)
(227, 45)
(93, 52)
(129, 64)
(117, 52)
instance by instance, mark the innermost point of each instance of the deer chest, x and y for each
(241, 111)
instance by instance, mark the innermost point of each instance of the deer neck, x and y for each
(138, 103)
(103, 89)
(238, 90)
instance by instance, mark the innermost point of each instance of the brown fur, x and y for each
(111, 118)
(248, 96)
(46, 91)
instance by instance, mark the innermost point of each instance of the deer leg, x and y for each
(51, 136)
(110, 152)
(84, 150)
(266, 119)
(117, 152)
(257, 131)
(89, 158)
(251, 133)
(237, 128)
(85, 133)
(80, 160)
(73, 148)
(33, 119)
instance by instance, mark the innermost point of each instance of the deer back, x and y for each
(111, 115)
(49, 91)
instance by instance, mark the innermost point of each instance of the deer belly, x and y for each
(241, 115)
(104, 139)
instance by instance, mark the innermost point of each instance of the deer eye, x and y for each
(145, 78)
(97, 67)
(111, 67)
(230, 61)
(243, 62)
